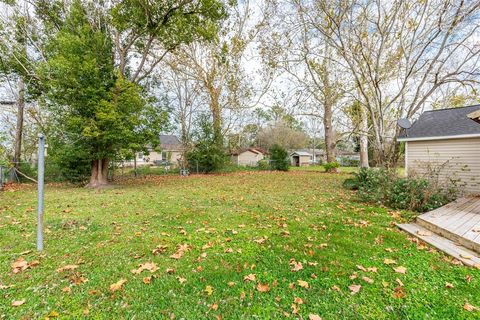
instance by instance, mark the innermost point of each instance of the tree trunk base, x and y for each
(99, 175)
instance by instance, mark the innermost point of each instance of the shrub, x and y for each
(348, 162)
(279, 158)
(208, 154)
(263, 165)
(385, 187)
(331, 166)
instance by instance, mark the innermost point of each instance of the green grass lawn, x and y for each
(231, 228)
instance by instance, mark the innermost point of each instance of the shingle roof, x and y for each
(170, 142)
(300, 153)
(254, 150)
(443, 123)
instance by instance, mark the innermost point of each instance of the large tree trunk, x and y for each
(19, 128)
(363, 139)
(99, 176)
(329, 133)
(216, 111)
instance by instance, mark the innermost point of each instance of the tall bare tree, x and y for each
(399, 53)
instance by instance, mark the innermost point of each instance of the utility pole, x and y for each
(40, 191)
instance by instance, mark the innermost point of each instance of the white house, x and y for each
(446, 143)
(248, 157)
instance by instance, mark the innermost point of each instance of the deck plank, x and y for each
(468, 257)
(454, 215)
(456, 222)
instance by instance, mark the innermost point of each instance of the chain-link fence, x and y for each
(3, 176)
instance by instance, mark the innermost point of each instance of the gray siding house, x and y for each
(447, 143)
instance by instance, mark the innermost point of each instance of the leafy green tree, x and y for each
(207, 154)
(92, 88)
(96, 111)
(279, 158)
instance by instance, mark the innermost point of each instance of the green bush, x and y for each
(385, 187)
(208, 154)
(279, 158)
(331, 166)
(263, 165)
(348, 162)
(67, 163)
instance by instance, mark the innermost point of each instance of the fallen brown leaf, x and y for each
(250, 277)
(367, 279)
(67, 267)
(263, 287)
(18, 303)
(467, 306)
(117, 285)
(354, 288)
(148, 266)
(303, 284)
(19, 265)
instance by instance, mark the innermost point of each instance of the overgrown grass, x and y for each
(234, 225)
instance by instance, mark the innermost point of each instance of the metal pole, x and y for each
(41, 172)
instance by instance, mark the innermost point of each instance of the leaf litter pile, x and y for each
(267, 245)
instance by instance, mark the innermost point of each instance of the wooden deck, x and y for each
(454, 229)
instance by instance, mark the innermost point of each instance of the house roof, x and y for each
(170, 142)
(301, 153)
(310, 151)
(443, 124)
(254, 150)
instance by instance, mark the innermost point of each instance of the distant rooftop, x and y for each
(170, 142)
(443, 123)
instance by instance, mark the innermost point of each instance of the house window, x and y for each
(140, 155)
(164, 155)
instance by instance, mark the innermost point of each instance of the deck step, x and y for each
(454, 249)
(450, 235)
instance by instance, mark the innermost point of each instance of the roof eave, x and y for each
(461, 136)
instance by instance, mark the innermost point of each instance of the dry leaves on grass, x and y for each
(296, 266)
(148, 266)
(467, 306)
(21, 265)
(181, 280)
(181, 249)
(367, 279)
(117, 285)
(18, 303)
(303, 284)
(67, 267)
(354, 288)
(314, 317)
(399, 293)
(400, 269)
(250, 277)
(147, 280)
(389, 261)
(208, 290)
(263, 287)
(67, 290)
(159, 249)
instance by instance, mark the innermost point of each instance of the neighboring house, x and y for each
(319, 155)
(248, 157)
(447, 143)
(301, 158)
(304, 157)
(169, 151)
